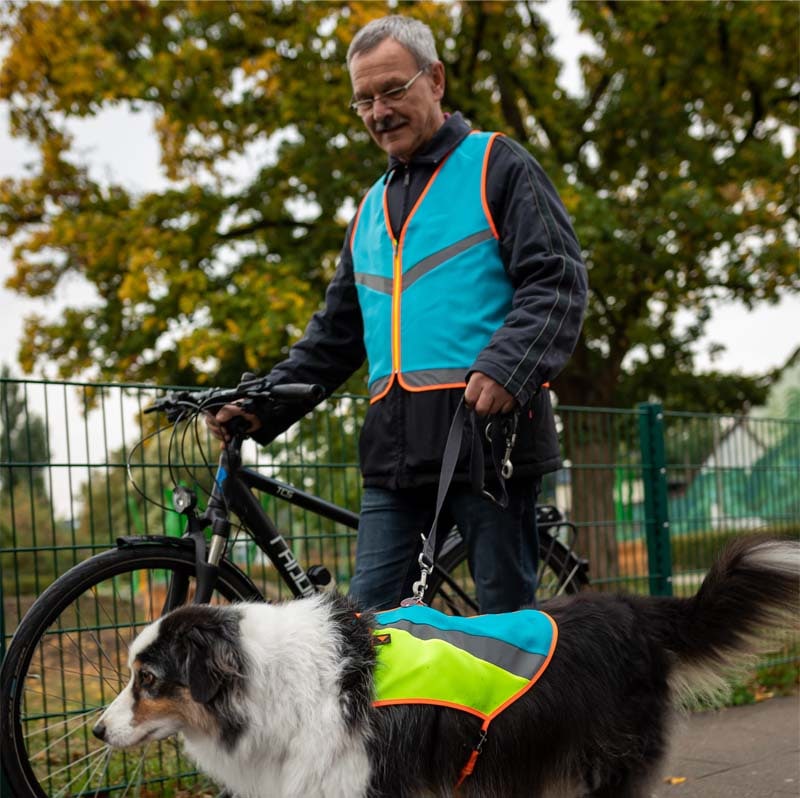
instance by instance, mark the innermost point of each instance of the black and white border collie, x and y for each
(275, 701)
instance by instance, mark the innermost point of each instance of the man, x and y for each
(460, 276)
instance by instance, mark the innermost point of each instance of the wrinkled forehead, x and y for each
(144, 640)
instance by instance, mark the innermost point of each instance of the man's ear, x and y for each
(437, 79)
(210, 662)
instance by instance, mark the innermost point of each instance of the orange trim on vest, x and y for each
(532, 681)
(470, 766)
(383, 393)
(357, 220)
(390, 702)
(397, 273)
(421, 388)
(484, 177)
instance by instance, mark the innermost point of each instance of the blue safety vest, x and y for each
(431, 299)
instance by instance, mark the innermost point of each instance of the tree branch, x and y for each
(263, 224)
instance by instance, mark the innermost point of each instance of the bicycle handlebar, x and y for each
(178, 404)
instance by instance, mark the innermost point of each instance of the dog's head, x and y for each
(186, 673)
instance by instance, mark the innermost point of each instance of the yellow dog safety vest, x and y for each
(477, 665)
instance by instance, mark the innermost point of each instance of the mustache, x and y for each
(389, 123)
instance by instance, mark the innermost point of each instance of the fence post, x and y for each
(656, 514)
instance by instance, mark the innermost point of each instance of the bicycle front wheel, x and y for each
(69, 658)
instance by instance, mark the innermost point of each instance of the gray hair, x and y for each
(412, 34)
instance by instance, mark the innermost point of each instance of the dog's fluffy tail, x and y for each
(749, 597)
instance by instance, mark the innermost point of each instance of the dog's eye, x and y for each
(146, 679)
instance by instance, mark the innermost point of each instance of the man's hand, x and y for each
(486, 396)
(217, 424)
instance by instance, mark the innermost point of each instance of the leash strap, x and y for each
(452, 449)
(465, 418)
(466, 771)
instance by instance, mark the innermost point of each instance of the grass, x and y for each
(777, 676)
(779, 679)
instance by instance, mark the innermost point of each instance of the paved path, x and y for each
(741, 752)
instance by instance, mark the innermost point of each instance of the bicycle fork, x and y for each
(207, 558)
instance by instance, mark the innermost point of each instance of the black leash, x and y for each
(466, 420)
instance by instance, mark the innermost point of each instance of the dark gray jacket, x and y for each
(404, 433)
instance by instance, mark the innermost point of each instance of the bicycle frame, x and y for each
(233, 492)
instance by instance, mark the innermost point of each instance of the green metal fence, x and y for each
(653, 493)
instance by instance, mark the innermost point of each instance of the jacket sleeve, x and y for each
(542, 256)
(331, 349)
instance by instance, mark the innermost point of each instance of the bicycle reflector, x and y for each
(183, 499)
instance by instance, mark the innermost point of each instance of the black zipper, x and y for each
(406, 195)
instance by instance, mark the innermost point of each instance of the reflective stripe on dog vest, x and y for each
(432, 299)
(478, 665)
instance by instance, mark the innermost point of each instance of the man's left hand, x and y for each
(487, 397)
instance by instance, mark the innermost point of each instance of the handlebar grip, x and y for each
(298, 392)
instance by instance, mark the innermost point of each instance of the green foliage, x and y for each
(27, 522)
(23, 439)
(26, 516)
(673, 163)
(781, 678)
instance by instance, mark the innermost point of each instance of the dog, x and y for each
(278, 700)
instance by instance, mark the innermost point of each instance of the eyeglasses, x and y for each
(387, 97)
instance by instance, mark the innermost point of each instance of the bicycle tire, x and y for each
(451, 589)
(68, 658)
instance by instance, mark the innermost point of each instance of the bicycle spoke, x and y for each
(84, 718)
(61, 636)
(81, 674)
(91, 755)
(101, 766)
(64, 699)
(137, 776)
(54, 669)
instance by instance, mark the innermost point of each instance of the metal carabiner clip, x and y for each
(506, 466)
(420, 586)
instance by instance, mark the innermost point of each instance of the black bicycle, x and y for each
(68, 657)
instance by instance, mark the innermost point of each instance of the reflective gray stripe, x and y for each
(419, 379)
(505, 655)
(432, 261)
(422, 379)
(379, 386)
(374, 281)
(384, 284)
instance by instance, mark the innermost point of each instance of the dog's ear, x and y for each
(211, 660)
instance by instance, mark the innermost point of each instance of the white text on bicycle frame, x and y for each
(294, 570)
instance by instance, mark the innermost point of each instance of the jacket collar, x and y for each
(454, 130)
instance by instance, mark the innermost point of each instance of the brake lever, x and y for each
(250, 383)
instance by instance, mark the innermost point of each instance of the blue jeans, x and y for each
(502, 545)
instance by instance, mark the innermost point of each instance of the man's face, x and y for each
(399, 127)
